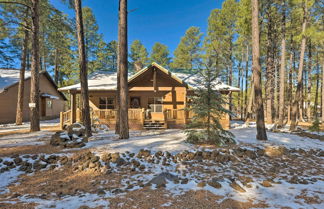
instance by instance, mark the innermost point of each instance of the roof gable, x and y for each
(137, 76)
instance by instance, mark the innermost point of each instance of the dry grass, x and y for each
(29, 149)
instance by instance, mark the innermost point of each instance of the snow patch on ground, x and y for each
(72, 202)
(26, 125)
(35, 138)
(247, 136)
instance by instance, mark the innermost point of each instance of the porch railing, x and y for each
(110, 114)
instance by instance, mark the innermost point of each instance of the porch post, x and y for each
(185, 106)
(73, 107)
(154, 81)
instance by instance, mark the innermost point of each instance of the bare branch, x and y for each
(20, 24)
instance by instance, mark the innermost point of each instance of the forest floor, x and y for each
(158, 169)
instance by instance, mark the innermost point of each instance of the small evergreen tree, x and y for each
(208, 106)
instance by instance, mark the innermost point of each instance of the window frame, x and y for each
(156, 104)
(108, 103)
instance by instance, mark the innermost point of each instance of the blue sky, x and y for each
(162, 21)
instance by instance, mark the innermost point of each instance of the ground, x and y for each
(158, 169)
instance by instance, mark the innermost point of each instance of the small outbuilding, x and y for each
(52, 102)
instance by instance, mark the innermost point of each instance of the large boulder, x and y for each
(76, 129)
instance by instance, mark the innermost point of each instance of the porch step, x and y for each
(148, 124)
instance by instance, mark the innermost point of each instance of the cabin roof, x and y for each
(10, 77)
(105, 80)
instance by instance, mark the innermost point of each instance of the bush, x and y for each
(315, 126)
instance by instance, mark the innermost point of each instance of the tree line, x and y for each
(289, 35)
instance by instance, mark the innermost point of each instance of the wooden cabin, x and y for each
(52, 102)
(157, 98)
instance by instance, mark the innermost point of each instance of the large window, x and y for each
(106, 103)
(155, 104)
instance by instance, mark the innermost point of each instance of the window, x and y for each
(155, 104)
(135, 102)
(106, 103)
(49, 104)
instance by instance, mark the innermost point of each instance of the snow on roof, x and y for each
(105, 80)
(100, 80)
(50, 96)
(192, 79)
(9, 77)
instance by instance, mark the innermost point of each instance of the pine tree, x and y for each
(123, 71)
(188, 53)
(207, 106)
(138, 55)
(160, 54)
(256, 69)
(83, 68)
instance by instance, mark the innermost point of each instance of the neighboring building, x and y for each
(157, 98)
(52, 102)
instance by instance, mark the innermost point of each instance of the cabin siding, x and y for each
(8, 101)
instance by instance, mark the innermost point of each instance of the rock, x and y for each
(237, 187)
(18, 161)
(162, 178)
(201, 184)
(294, 180)
(135, 163)
(143, 153)
(95, 159)
(1, 160)
(115, 157)
(59, 138)
(76, 129)
(120, 161)
(214, 183)
(101, 192)
(266, 183)
(184, 181)
(8, 163)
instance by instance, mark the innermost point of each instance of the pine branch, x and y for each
(14, 2)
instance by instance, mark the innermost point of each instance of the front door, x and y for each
(155, 106)
(43, 107)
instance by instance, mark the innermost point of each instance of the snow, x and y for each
(26, 125)
(100, 80)
(49, 96)
(35, 138)
(9, 77)
(247, 136)
(71, 202)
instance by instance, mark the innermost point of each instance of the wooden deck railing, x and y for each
(65, 118)
(110, 114)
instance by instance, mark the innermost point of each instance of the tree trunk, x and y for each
(256, 69)
(309, 83)
(239, 106)
(122, 67)
(56, 68)
(249, 110)
(317, 86)
(322, 91)
(282, 71)
(270, 72)
(21, 87)
(34, 85)
(246, 79)
(83, 68)
(298, 93)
